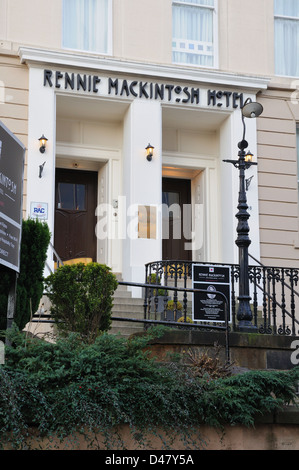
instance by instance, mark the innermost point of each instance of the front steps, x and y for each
(125, 306)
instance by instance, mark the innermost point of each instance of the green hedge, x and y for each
(34, 244)
(73, 387)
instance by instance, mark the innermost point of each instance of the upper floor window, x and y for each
(87, 25)
(286, 37)
(194, 32)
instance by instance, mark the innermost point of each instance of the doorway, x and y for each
(75, 220)
(176, 231)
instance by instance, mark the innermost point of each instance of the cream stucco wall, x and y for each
(246, 36)
(278, 187)
(14, 101)
(30, 22)
(142, 31)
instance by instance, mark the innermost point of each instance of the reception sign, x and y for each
(12, 154)
(208, 306)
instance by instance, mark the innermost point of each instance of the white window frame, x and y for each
(215, 52)
(109, 38)
(283, 17)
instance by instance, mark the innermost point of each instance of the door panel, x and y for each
(75, 220)
(176, 223)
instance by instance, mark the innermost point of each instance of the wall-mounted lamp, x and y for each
(42, 140)
(149, 152)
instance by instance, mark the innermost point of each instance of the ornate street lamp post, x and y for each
(244, 314)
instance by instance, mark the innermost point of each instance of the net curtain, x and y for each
(286, 37)
(193, 23)
(85, 25)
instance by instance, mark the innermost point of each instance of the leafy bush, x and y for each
(183, 319)
(171, 305)
(73, 387)
(154, 278)
(81, 297)
(34, 245)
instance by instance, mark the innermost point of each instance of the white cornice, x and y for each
(43, 57)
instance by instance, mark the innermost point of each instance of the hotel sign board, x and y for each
(208, 306)
(12, 155)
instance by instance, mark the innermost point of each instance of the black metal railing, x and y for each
(273, 293)
(152, 318)
(278, 290)
(147, 321)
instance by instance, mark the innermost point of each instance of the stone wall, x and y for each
(273, 432)
(249, 351)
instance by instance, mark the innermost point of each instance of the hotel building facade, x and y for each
(102, 79)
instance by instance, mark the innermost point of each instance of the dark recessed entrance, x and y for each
(176, 195)
(75, 220)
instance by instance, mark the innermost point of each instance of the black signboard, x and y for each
(12, 154)
(208, 306)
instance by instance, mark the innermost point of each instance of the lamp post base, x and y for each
(246, 327)
(244, 315)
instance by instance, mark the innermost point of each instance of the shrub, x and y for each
(155, 279)
(33, 254)
(81, 298)
(183, 320)
(171, 305)
(71, 387)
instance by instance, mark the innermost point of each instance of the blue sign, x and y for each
(39, 210)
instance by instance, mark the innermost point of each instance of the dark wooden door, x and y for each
(75, 220)
(176, 193)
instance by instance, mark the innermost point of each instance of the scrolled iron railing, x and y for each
(278, 316)
(273, 293)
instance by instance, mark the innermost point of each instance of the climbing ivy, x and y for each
(73, 386)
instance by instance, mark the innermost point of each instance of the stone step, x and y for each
(123, 294)
(127, 301)
(126, 328)
(125, 313)
(121, 288)
(125, 306)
